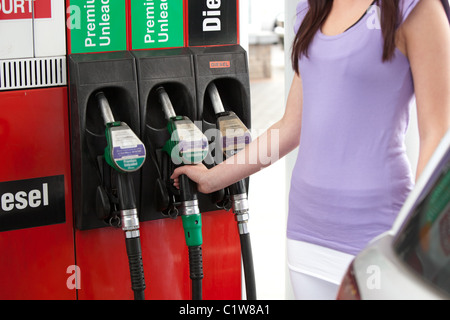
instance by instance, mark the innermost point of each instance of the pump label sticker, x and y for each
(235, 136)
(157, 24)
(128, 152)
(32, 203)
(219, 64)
(23, 9)
(192, 144)
(97, 26)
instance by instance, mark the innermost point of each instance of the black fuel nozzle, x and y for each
(234, 136)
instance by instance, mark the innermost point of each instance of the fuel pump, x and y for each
(125, 154)
(234, 135)
(187, 146)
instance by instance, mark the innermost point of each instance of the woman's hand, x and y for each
(197, 173)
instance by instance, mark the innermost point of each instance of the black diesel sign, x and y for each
(32, 203)
(212, 22)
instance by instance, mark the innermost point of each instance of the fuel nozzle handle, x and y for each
(125, 190)
(215, 98)
(188, 189)
(104, 108)
(238, 188)
(166, 103)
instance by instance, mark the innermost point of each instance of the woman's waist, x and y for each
(334, 193)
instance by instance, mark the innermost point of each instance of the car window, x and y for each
(424, 241)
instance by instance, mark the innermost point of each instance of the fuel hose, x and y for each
(130, 224)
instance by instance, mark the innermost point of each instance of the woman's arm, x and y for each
(426, 38)
(275, 143)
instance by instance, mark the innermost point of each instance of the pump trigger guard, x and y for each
(226, 204)
(114, 221)
(173, 212)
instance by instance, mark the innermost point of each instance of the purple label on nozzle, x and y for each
(228, 142)
(138, 151)
(186, 146)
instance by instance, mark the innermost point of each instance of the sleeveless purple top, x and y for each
(352, 174)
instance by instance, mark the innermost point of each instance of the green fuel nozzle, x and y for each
(124, 151)
(126, 154)
(187, 146)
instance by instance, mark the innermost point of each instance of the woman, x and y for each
(347, 110)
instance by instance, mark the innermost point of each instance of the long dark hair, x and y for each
(319, 11)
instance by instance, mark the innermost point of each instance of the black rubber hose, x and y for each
(196, 271)
(127, 201)
(247, 261)
(136, 267)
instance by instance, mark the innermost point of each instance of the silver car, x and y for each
(412, 260)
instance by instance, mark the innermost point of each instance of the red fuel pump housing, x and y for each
(44, 256)
(34, 136)
(165, 256)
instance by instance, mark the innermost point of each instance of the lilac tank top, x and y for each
(352, 174)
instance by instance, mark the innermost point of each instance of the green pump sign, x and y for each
(157, 24)
(97, 25)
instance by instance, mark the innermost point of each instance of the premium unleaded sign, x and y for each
(212, 22)
(97, 25)
(157, 24)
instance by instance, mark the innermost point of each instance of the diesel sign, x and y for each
(32, 203)
(212, 22)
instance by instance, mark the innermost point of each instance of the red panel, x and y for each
(102, 259)
(34, 140)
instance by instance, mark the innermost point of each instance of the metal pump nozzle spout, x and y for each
(215, 98)
(104, 108)
(166, 103)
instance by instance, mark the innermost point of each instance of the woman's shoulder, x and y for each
(406, 7)
(302, 9)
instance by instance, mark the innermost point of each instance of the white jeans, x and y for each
(316, 272)
(312, 288)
